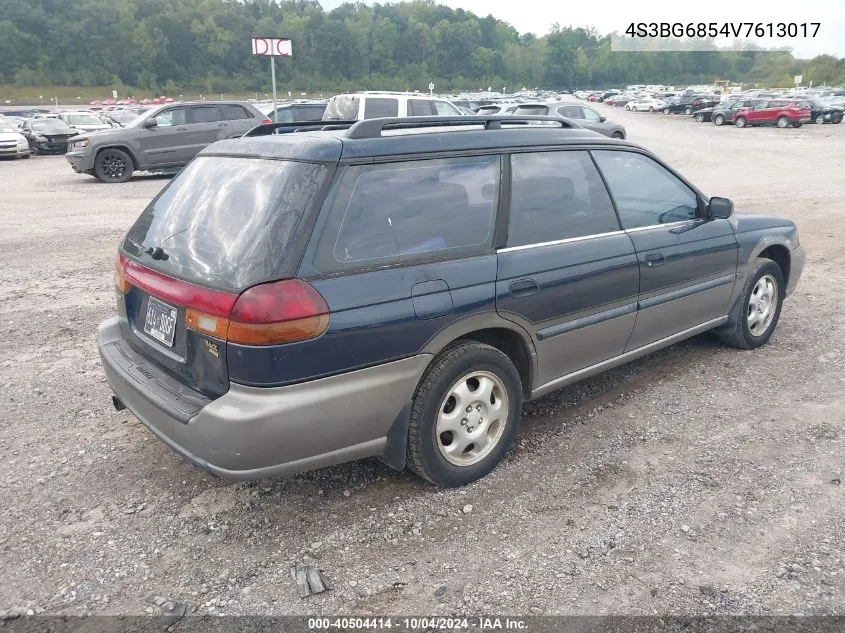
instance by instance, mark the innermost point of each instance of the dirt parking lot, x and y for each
(699, 479)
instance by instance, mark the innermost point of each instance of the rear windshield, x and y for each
(532, 110)
(224, 222)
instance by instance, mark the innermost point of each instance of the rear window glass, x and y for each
(387, 213)
(224, 222)
(233, 112)
(533, 110)
(375, 108)
(342, 108)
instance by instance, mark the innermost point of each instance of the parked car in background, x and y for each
(645, 104)
(12, 142)
(165, 139)
(780, 112)
(84, 121)
(497, 108)
(15, 121)
(823, 112)
(251, 290)
(687, 104)
(290, 112)
(723, 112)
(371, 105)
(584, 115)
(47, 136)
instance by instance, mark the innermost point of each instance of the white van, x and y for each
(374, 105)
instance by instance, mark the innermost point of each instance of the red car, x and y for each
(780, 112)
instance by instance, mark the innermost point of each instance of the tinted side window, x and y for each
(532, 110)
(379, 107)
(173, 116)
(204, 114)
(644, 191)
(555, 196)
(395, 212)
(571, 112)
(420, 107)
(309, 113)
(233, 112)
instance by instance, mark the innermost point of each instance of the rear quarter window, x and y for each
(393, 213)
(232, 112)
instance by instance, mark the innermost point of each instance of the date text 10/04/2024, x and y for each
(418, 623)
(726, 29)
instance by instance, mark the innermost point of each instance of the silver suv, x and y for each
(164, 139)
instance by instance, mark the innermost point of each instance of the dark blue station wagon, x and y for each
(397, 289)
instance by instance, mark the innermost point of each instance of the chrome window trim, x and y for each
(511, 249)
(662, 226)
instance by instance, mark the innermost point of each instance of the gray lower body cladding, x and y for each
(252, 432)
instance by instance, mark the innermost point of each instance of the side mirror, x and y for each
(602, 119)
(150, 123)
(719, 208)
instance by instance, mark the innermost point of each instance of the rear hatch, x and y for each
(223, 225)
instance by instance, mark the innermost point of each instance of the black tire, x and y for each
(836, 118)
(741, 121)
(719, 119)
(738, 333)
(113, 165)
(783, 121)
(26, 156)
(423, 453)
(666, 111)
(819, 119)
(688, 110)
(699, 118)
(797, 124)
(617, 135)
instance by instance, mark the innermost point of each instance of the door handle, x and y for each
(524, 287)
(655, 259)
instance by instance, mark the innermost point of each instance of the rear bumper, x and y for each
(253, 433)
(797, 257)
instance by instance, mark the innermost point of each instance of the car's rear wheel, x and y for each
(666, 110)
(819, 119)
(651, 108)
(741, 121)
(783, 121)
(756, 314)
(797, 124)
(688, 110)
(699, 118)
(719, 119)
(464, 414)
(113, 165)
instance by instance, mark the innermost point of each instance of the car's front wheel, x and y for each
(819, 119)
(464, 414)
(783, 121)
(617, 135)
(719, 119)
(756, 314)
(741, 121)
(113, 165)
(666, 110)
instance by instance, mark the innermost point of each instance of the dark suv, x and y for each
(164, 139)
(399, 287)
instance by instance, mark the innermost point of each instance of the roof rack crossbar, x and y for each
(373, 128)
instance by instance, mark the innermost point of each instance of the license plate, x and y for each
(161, 321)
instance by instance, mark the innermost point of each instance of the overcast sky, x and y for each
(537, 16)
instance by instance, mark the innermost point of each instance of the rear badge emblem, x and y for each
(212, 349)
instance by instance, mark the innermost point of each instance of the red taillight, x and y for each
(268, 314)
(279, 312)
(119, 278)
(267, 121)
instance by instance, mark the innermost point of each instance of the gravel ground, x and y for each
(700, 479)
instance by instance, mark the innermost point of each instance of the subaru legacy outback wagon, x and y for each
(389, 288)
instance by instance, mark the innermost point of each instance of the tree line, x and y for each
(204, 45)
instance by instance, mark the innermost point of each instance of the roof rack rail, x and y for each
(298, 126)
(373, 128)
